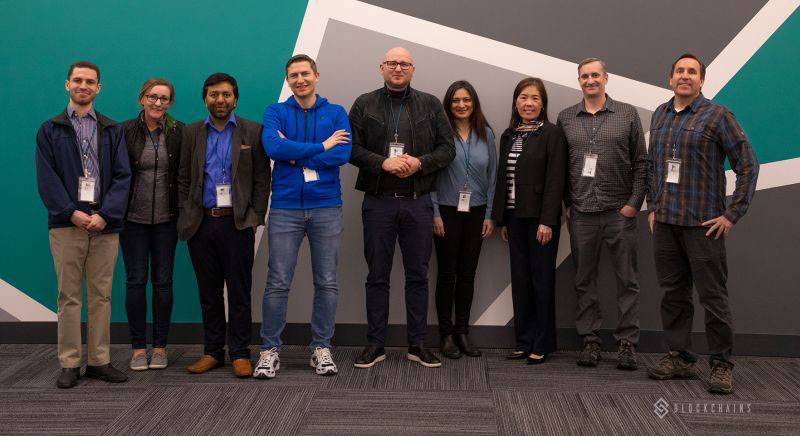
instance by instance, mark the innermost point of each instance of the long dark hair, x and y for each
(477, 121)
(524, 83)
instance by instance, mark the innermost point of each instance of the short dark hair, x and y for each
(690, 56)
(477, 121)
(84, 64)
(301, 58)
(524, 83)
(220, 78)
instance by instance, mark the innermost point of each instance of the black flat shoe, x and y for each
(466, 347)
(106, 372)
(536, 361)
(448, 348)
(516, 355)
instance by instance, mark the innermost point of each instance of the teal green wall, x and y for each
(130, 41)
(756, 94)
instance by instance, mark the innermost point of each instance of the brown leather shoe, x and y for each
(242, 367)
(204, 364)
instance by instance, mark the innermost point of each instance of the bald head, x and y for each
(396, 53)
(397, 68)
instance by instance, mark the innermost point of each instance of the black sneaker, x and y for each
(590, 356)
(68, 377)
(106, 372)
(626, 356)
(721, 379)
(418, 353)
(371, 355)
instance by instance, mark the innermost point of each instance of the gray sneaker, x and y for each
(139, 362)
(158, 360)
(590, 356)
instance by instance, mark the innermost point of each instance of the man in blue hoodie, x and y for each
(309, 139)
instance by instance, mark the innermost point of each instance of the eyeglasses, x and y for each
(405, 66)
(152, 98)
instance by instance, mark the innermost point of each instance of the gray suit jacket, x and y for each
(251, 177)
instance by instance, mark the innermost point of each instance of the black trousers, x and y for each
(533, 279)
(457, 254)
(148, 247)
(409, 222)
(222, 255)
(686, 257)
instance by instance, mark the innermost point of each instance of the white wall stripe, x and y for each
(21, 306)
(745, 44)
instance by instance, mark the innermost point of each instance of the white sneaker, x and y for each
(268, 363)
(322, 361)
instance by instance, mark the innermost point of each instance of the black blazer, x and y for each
(541, 175)
(135, 129)
(251, 177)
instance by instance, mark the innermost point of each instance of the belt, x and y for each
(411, 195)
(218, 211)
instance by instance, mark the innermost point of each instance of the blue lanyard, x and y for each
(466, 153)
(85, 150)
(687, 111)
(592, 135)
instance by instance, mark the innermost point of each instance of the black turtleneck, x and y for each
(391, 184)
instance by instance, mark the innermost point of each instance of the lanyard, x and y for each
(396, 119)
(592, 135)
(156, 141)
(680, 127)
(226, 154)
(85, 146)
(466, 153)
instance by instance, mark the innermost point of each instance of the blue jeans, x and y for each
(148, 246)
(286, 230)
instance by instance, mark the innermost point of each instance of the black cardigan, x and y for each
(541, 176)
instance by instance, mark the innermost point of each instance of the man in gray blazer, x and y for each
(223, 191)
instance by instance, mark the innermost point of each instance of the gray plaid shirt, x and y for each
(615, 135)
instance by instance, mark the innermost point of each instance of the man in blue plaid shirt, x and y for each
(690, 137)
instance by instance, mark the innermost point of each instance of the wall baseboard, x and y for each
(650, 341)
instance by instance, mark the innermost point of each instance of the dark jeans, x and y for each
(685, 256)
(388, 220)
(222, 255)
(589, 231)
(457, 254)
(533, 280)
(148, 246)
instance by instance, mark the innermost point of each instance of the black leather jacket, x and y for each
(370, 118)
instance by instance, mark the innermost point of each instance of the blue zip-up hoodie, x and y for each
(305, 129)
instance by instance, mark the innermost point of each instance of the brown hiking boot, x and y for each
(671, 366)
(626, 356)
(721, 379)
(590, 356)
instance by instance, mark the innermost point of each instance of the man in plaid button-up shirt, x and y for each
(607, 184)
(690, 137)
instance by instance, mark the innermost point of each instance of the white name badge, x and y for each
(396, 149)
(310, 175)
(589, 165)
(673, 171)
(86, 189)
(224, 195)
(463, 201)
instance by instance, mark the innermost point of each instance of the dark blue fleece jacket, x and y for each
(305, 129)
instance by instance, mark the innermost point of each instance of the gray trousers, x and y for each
(587, 234)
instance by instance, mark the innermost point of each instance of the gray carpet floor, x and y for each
(485, 395)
